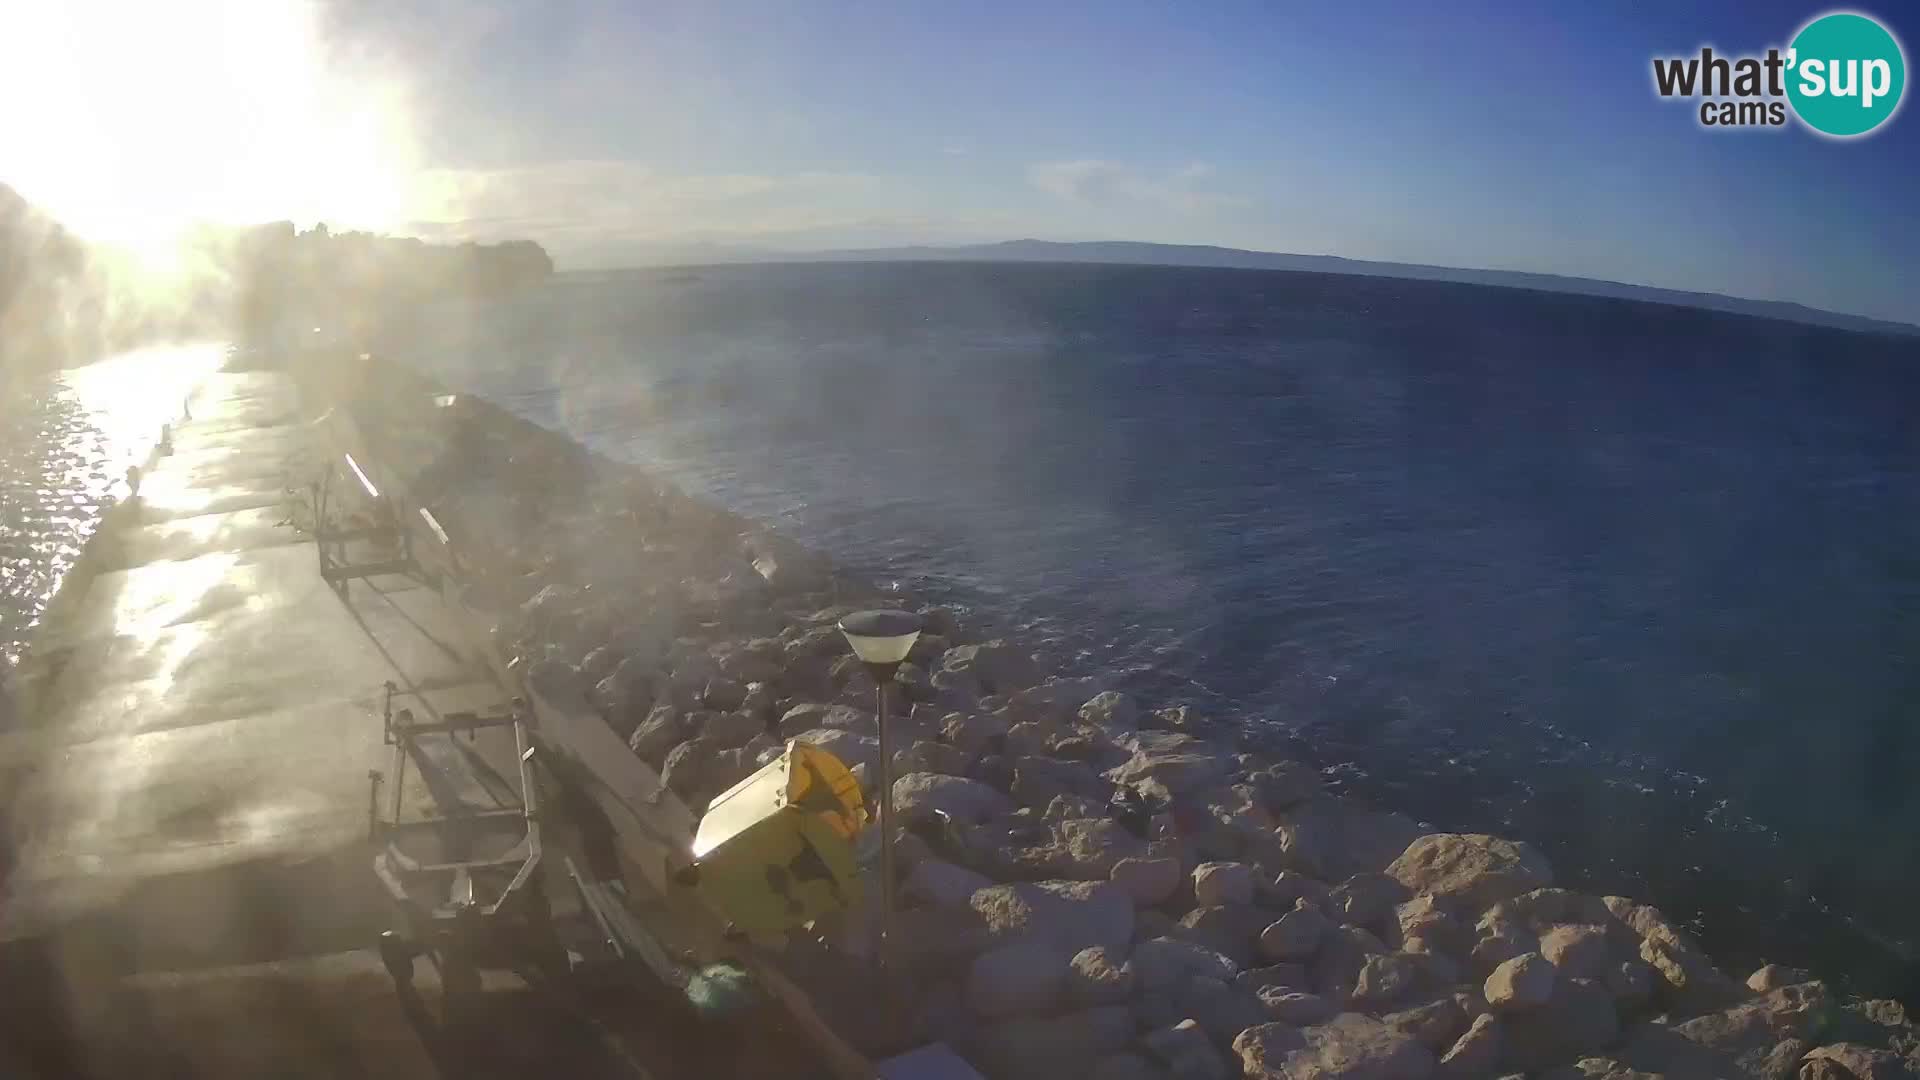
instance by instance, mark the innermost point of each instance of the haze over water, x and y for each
(1635, 582)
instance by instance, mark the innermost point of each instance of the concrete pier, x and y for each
(187, 888)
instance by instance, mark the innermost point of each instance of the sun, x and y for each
(133, 122)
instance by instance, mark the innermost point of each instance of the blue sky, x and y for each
(1514, 136)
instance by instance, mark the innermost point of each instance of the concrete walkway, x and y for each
(188, 890)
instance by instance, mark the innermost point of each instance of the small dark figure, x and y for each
(133, 479)
(166, 439)
(938, 830)
(1132, 811)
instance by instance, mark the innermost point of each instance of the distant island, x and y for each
(1126, 252)
(63, 299)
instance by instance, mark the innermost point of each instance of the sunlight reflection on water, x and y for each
(66, 439)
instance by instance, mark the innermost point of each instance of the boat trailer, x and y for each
(465, 883)
(469, 886)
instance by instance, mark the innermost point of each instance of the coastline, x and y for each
(1241, 899)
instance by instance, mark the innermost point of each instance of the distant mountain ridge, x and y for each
(1129, 252)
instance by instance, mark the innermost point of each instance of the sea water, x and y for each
(67, 437)
(1639, 583)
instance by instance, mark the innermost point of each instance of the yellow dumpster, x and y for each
(776, 850)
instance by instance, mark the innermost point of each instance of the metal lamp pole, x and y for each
(882, 675)
(882, 639)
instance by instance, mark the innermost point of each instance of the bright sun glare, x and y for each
(130, 121)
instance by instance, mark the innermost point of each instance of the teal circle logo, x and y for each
(1846, 74)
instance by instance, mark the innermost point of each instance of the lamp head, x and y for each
(881, 638)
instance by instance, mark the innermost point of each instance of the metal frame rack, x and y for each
(383, 528)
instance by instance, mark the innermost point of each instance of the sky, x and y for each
(1518, 136)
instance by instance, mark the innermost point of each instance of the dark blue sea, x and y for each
(1640, 583)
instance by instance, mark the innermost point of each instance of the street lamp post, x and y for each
(882, 639)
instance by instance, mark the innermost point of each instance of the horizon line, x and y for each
(687, 256)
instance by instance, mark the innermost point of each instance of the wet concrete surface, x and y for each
(187, 881)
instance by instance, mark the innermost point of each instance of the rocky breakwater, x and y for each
(1095, 888)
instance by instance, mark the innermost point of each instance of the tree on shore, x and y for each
(63, 300)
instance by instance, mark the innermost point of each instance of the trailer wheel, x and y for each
(397, 954)
(540, 938)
